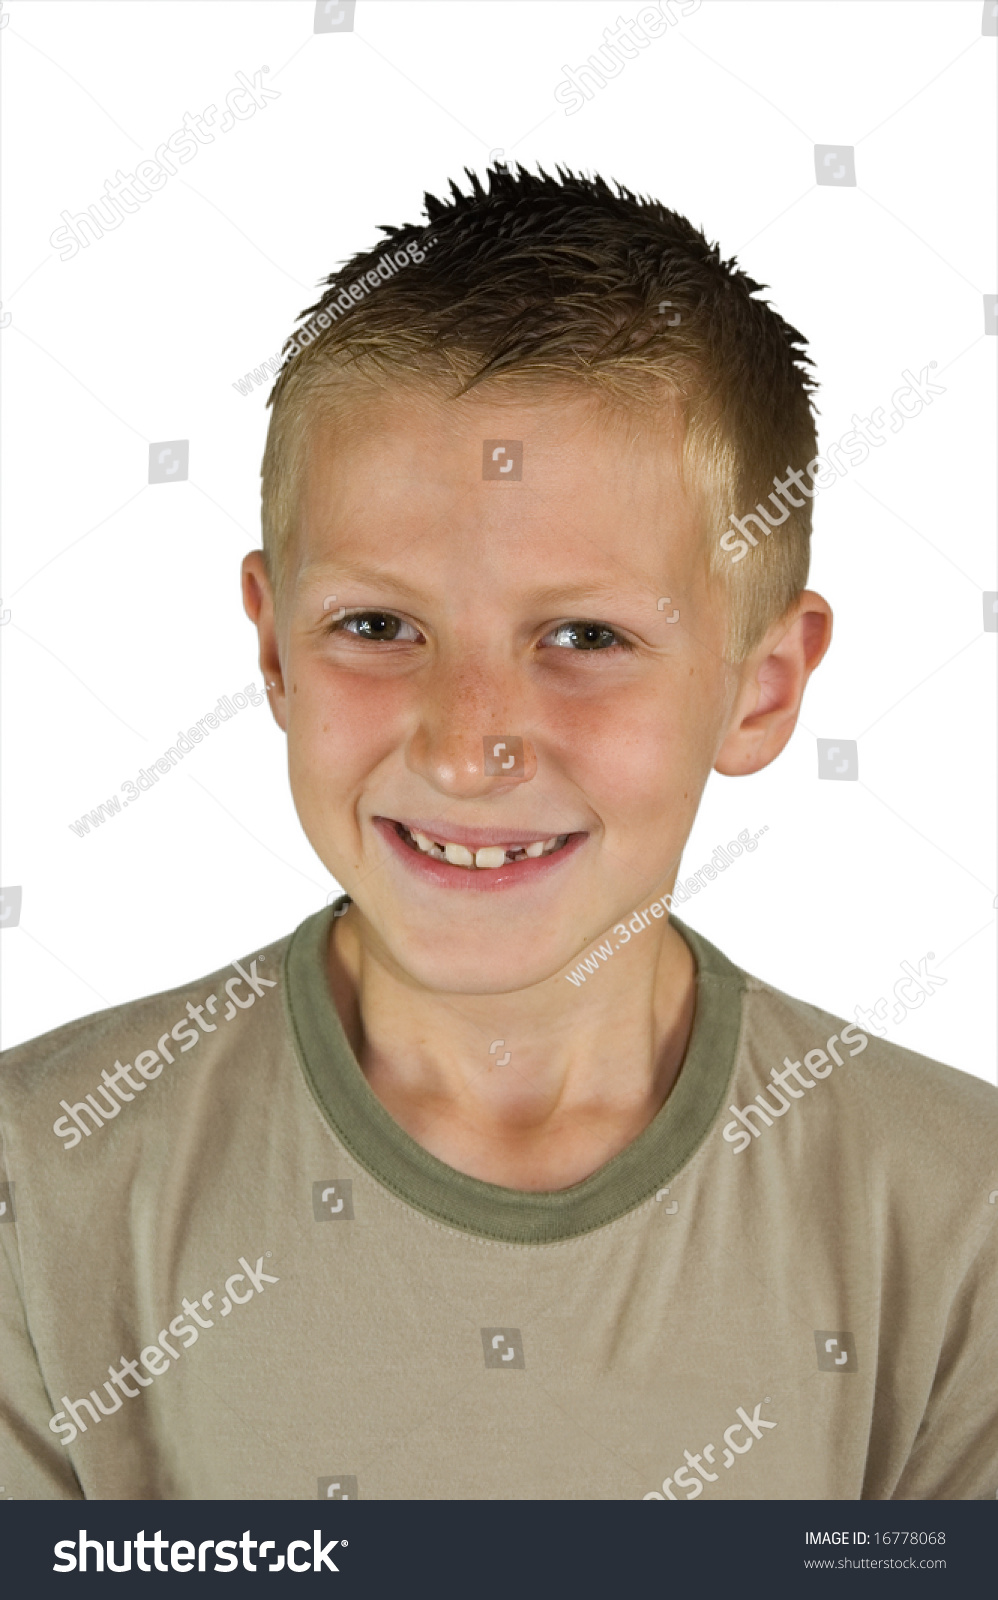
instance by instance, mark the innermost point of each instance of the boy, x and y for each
(390, 1208)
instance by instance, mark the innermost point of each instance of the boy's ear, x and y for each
(771, 686)
(258, 603)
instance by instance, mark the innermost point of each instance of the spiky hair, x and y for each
(568, 281)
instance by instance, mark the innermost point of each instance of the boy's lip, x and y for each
(442, 875)
(476, 838)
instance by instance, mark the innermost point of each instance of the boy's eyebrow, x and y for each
(343, 569)
(576, 591)
(549, 594)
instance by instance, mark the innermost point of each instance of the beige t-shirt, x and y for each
(228, 1273)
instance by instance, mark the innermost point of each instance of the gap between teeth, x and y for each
(489, 856)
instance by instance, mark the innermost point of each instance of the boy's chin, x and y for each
(459, 964)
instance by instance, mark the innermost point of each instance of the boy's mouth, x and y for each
(478, 858)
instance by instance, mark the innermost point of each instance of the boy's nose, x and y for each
(467, 763)
(469, 742)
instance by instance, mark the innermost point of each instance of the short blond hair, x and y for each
(563, 283)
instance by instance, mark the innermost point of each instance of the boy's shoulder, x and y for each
(857, 1068)
(135, 1042)
(881, 1089)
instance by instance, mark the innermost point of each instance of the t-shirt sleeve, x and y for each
(955, 1454)
(33, 1466)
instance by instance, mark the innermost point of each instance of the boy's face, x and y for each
(470, 602)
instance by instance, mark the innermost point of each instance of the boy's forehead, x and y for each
(548, 479)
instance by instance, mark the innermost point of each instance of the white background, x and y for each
(125, 621)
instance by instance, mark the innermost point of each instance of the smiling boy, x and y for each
(499, 1235)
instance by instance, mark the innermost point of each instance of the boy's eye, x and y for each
(377, 625)
(583, 636)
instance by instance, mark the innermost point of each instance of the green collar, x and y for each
(515, 1216)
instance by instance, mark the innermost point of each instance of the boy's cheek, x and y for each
(333, 750)
(341, 708)
(334, 737)
(638, 749)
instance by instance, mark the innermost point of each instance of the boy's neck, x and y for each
(534, 1090)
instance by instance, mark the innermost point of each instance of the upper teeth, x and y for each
(490, 855)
